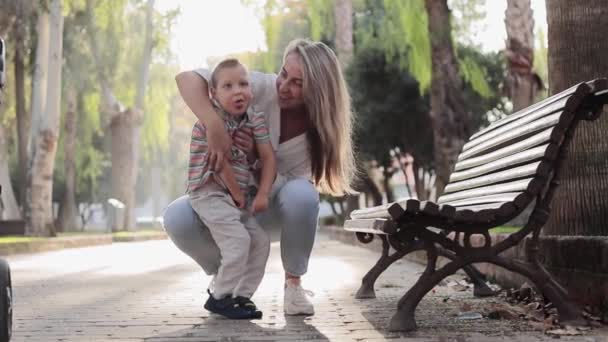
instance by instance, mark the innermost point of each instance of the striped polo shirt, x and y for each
(198, 166)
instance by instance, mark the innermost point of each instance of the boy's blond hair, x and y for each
(224, 64)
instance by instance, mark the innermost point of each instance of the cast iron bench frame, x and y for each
(445, 228)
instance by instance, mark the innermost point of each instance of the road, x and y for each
(150, 291)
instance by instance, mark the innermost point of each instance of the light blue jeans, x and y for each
(294, 208)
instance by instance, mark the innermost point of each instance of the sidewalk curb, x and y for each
(65, 242)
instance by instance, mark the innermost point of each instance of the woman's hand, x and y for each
(219, 143)
(243, 139)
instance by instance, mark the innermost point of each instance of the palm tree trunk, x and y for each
(69, 218)
(449, 118)
(576, 53)
(522, 82)
(343, 16)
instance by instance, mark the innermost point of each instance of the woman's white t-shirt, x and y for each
(293, 156)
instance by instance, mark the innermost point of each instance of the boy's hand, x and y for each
(259, 204)
(239, 199)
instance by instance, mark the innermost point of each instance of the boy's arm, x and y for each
(269, 167)
(227, 176)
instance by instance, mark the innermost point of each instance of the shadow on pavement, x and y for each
(217, 328)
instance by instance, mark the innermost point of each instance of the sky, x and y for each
(208, 28)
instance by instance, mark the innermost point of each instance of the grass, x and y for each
(139, 232)
(504, 229)
(17, 239)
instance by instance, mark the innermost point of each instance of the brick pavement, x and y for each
(149, 291)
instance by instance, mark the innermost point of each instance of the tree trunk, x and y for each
(133, 119)
(69, 218)
(449, 118)
(23, 117)
(576, 53)
(522, 83)
(8, 204)
(343, 16)
(124, 167)
(39, 216)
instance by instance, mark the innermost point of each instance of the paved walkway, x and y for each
(149, 291)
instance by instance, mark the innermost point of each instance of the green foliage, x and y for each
(283, 21)
(392, 113)
(400, 29)
(541, 64)
(161, 90)
(483, 107)
(404, 32)
(474, 74)
(466, 15)
(390, 110)
(320, 14)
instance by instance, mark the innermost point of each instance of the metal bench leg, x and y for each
(404, 318)
(480, 287)
(367, 284)
(566, 309)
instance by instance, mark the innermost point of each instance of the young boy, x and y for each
(220, 199)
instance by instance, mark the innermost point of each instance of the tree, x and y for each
(8, 205)
(68, 219)
(449, 117)
(343, 13)
(124, 122)
(522, 83)
(14, 28)
(37, 213)
(576, 45)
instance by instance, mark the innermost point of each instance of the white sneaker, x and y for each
(296, 302)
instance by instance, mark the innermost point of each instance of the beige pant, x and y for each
(243, 244)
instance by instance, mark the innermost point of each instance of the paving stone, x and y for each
(150, 291)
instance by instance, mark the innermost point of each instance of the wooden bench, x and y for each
(501, 170)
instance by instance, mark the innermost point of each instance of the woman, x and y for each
(307, 107)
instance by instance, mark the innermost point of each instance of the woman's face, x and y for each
(290, 83)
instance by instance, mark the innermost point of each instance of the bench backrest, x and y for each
(503, 167)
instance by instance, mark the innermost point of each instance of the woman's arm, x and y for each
(194, 90)
(269, 167)
(269, 173)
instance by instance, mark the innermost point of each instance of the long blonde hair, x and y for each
(328, 106)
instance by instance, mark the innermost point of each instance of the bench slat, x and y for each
(520, 133)
(527, 110)
(502, 197)
(530, 185)
(556, 107)
(545, 136)
(374, 226)
(547, 152)
(539, 168)
(381, 211)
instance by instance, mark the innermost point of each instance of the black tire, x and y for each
(6, 302)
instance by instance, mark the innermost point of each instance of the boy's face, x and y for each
(232, 90)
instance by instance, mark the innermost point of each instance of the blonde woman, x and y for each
(307, 107)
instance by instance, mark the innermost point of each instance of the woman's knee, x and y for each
(179, 218)
(299, 194)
